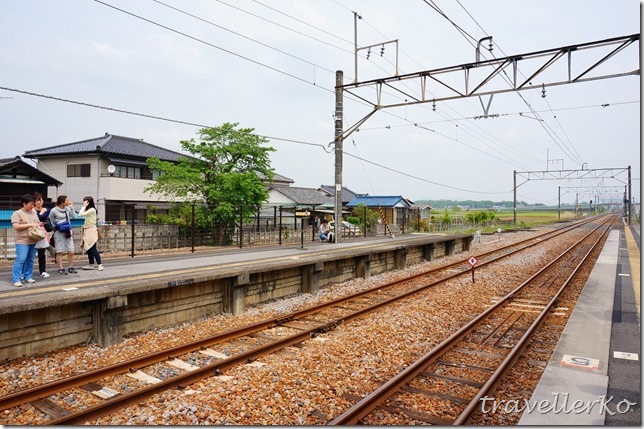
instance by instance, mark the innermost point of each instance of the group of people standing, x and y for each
(55, 220)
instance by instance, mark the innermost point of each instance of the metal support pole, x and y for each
(257, 219)
(133, 232)
(241, 226)
(280, 228)
(559, 204)
(630, 198)
(364, 221)
(192, 240)
(338, 155)
(302, 235)
(355, 45)
(515, 197)
(625, 204)
(313, 223)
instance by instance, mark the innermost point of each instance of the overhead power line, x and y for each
(241, 35)
(322, 146)
(424, 180)
(287, 28)
(211, 45)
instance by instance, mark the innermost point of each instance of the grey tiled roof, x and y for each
(347, 194)
(278, 179)
(11, 166)
(107, 145)
(304, 196)
(5, 161)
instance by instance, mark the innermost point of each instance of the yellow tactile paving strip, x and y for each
(634, 257)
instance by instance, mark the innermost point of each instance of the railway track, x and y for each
(106, 389)
(446, 385)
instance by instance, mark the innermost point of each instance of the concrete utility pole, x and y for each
(338, 155)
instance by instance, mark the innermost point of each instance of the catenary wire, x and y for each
(545, 127)
(576, 153)
(473, 133)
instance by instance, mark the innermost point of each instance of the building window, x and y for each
(79, 170)
(129, 172)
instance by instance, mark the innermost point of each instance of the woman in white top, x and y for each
(89, 234)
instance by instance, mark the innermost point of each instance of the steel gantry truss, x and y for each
(584, 174)
(475, 79)
(478, 78)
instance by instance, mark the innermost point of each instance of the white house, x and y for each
(112, 169)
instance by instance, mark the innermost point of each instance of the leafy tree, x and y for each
(225, 171)
(360, 211)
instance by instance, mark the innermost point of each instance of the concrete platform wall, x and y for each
(122, 312)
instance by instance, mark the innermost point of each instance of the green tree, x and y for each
(225, 171)
(363, 213)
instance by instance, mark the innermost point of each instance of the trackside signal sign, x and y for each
(472, 261)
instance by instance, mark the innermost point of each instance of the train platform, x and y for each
(593, 376)
(126, 272)
(152, 291)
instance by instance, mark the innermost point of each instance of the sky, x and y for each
(72, 70)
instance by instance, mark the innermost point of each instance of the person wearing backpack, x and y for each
(60, 217)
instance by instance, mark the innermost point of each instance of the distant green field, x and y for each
(534, 217)
(504, 218)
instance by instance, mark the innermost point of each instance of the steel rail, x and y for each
(514, 354)
(45, 390)
(121, 401)
(38, 392)
(363, 407)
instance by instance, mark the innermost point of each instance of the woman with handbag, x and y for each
(43, 214)
(22, 220)
(89, 234)
(60, 217)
